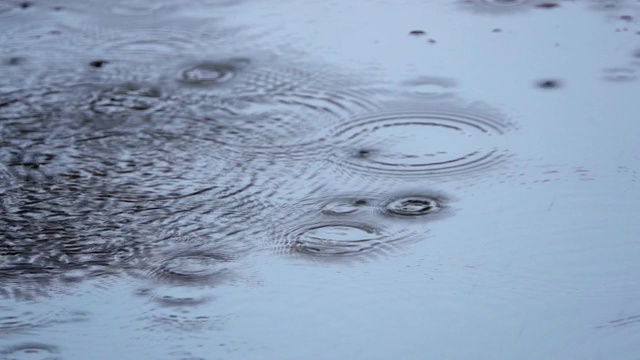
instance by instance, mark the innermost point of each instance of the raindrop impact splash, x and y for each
(411, 206)
(210, 73)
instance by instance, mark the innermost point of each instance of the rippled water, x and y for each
(210, 179)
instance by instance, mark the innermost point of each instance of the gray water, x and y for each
(211, 179)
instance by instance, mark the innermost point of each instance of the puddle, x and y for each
(215, 178)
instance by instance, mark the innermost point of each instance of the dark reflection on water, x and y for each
(172, 176)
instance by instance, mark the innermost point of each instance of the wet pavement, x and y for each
(210, 179)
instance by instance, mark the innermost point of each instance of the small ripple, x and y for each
(178, 296)
(31, 351)
(173, 323)
(612, 5)
(497, 7)
(423, 142)
(620, 75)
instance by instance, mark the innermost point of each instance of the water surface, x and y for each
(213, 179)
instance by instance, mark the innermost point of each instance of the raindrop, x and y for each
(98, 63)
(548, 84)
(547, 6)
(16, 60)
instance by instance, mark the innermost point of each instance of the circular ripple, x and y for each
(329, 239)
(428, 142)
(336, 239)
(193, 267)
